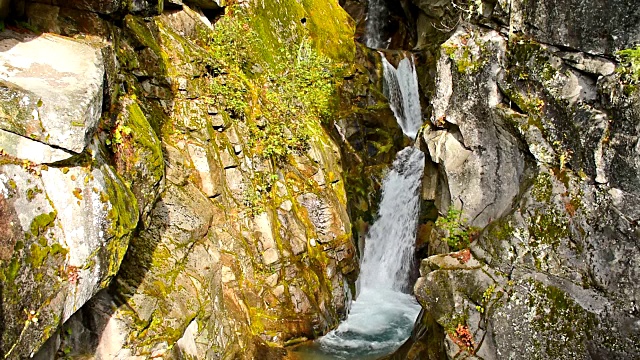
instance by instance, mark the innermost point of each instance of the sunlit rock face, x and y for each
(189, 202)
(67, 232)
(532, 127)
(40, 74)
(66, 228)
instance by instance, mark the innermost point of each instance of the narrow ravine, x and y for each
(382, 316)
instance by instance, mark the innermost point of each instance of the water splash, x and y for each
(401, 88)
(381, 318)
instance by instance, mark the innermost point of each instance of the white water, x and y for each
(389, 245)
(376, 17)
(382, 316)
(401, 88)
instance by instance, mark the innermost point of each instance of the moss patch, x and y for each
(562, 326)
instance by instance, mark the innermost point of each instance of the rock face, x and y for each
(534, 140)
(200, 211)
(51, 93)
(66, 232)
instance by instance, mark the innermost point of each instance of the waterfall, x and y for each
(401, 88)
(382, 316)
(376, 17)
(389, 245)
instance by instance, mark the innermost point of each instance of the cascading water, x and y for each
(382, 316)
(401, 88)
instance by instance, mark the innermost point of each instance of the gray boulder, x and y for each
(66, 232)
(51, 91)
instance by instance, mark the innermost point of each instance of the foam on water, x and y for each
(401, 88)
(381, 317)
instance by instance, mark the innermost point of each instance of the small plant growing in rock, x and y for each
(462, 337)
(630, 61)
(120, 132)
(487, 296)
(72, 274)
(458, 233)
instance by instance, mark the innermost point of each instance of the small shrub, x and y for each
(458, 233)
(283, 98)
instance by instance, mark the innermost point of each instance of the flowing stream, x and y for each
(382, 316)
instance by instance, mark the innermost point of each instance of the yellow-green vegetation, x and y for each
(282, 98)
(558, 320)
(467, 56)
(489, 297)
(529, 59)
(542, 188)
(458, 232)
(630, 61)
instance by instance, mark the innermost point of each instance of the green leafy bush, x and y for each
(283, 99)
(458, 232)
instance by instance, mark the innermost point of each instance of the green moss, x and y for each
(122, 218)
(547, 227)
(326, 24)
(141, 31)
(41, 222)
(542, 188)
(15, 115)
(529, 60)
(32, 192)
(630, 61)
(451, 323)
(145, 139)
(37, 255)
(468, 58)
(562, 325)
(11, 271)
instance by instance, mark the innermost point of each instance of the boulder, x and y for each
(67, 230)
(479, 160)
(51, 89)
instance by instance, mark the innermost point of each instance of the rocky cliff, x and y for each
(171, 181)
(193, 179)
(533, 134)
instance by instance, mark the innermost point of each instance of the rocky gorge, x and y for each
(196, 179)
